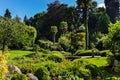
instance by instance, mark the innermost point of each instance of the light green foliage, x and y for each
(112, 40)
(56, 56)
(19, 77)
(78, 40)
(54, 30)
(63, 26)
(29, 35)
(64, 42)
(15, 33)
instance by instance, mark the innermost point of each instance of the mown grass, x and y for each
(100, 61)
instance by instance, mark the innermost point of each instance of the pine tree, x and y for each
(7, 14)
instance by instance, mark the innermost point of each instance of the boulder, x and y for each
(14, 69)
(31, 76)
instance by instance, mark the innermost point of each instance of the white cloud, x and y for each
(101, 5)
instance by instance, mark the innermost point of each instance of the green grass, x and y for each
(18, 53)
(100, 62)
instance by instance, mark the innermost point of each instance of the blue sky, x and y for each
(30, 7)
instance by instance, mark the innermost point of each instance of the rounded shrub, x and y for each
(19, 77)
(56, 56)
(42, 73)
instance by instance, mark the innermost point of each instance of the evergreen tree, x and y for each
(7, 14)
(113, 9)
(84, 6)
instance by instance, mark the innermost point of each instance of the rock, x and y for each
(63, 52)
(31, 76)
(13, 68)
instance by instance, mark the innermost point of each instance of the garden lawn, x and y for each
(99, 62)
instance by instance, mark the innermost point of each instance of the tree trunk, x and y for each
(85, 17)
(54, 39)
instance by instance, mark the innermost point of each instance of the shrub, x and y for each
(19, 77)
(50, 65)
(94, 70)
(27, 68)
(84, 73)
(45, 44)
(42, 73)
(78, 40)
(64, 42)
(56, 56)
(3, 66)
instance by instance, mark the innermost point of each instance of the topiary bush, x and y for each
(19, 77)
(42, 73)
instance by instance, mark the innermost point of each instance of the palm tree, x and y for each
(54, 30)
(84, 6)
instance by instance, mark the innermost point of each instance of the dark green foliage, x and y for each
(7, 14)
(105, 53)
(42, 73)
(103, 22)
(55, 14)
(19, 77)
(112, 9)
(72, 18)
(95, 72)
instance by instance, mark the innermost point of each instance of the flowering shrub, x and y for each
(3, 66)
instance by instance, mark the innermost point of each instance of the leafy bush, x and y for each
(64, 42)
(51, 66)
(56, 56)
(3, 66)
(78, 40)
(94, 71)
(19, 77)
(84, 73)
(27, 68)
(45, 44)
(42, 73)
